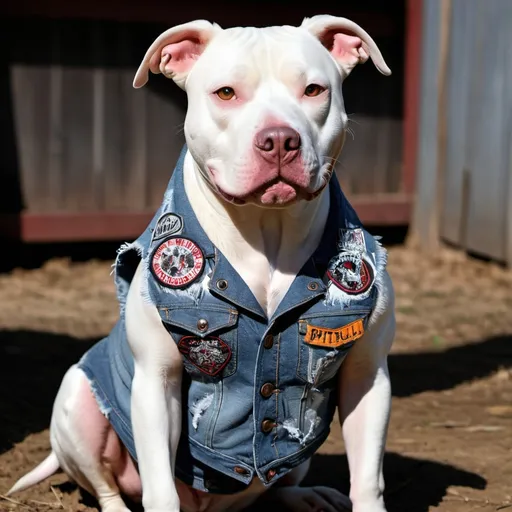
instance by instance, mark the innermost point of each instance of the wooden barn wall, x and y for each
(83, 140)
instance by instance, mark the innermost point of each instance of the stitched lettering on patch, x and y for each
(334, 338)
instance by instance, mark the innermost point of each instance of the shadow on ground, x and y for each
(442, 370)
(405, 482)
(32, 365)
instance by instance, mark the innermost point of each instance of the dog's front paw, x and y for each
(173, 509)
(368, 506)
(312, 499)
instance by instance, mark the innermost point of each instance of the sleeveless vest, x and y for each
(259, 394)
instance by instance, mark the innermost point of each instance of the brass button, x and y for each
(240, 470)
(267, 390)
(271, 473)
(221, 284)
(267, 426)
(268, 342)
(202, 324)
(312, 286)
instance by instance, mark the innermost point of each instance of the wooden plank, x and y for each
(371, 155)
(357, 161)
(388, 172)
(166, 108)
(412, 86)
(116, 131)
(51, 227)
(424, 230)
(55, 189)
(77, 112)
(508, 213)
(113, 146)
(384, 210)
(31, 89)
(134, 117)
(98, 118)
(487, 158)
(462, 51)
(508, 168)
(382, 156)
(395, 166)
(381, 23)
(442, 107)
(54, 170)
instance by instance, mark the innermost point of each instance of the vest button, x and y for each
(267, 426)
(271, 473)
(240, 470)
(221, 284)
(312, 286)
(202, 324)
(267, 390)
(268, 342)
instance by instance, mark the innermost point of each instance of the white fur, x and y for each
(267, 247)
(365, 403)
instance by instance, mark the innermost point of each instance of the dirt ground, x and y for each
(450, 438)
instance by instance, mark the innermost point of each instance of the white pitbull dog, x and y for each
(251, 203)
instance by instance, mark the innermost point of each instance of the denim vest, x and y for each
(259, 393)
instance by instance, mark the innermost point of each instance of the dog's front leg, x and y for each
(365, 403)
(155, 401)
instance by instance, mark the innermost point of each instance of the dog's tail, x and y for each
(49, 466)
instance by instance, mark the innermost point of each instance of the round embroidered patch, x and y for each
(350, 273)
(209, 355)
(177, 262)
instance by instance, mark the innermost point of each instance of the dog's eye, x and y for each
(314, 90)
(225, 93)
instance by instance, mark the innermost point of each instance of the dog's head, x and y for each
(266, 118)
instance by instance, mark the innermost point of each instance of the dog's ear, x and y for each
(175, 51)
(346, 41)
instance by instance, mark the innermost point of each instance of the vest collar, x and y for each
(308, 283)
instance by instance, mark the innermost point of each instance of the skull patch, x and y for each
(349, 270)
(209, 355)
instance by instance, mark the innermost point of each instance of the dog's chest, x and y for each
(268, 285)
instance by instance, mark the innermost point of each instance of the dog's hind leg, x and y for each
(81, 438)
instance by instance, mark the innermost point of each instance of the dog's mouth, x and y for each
(276, 193)
(229, 198)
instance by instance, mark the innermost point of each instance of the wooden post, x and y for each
(508, 218)
(442, 109)
(424, 232)
(412, 83)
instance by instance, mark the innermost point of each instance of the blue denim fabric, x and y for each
(223, 445)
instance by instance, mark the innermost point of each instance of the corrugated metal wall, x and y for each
(477, 201)
(468, 75)
(87, 141)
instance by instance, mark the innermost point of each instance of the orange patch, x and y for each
(334, 338)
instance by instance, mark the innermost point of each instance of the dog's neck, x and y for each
(267, 247)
